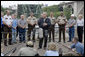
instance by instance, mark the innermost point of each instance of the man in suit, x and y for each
(44, 23)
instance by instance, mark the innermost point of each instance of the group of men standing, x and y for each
(47, 25)
(10, 24)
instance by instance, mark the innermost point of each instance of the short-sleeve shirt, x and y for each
(32, 20)
(79, 47)
(22, 22)
(52, 19)
(71, 21)
(8, 20)
(61, 19)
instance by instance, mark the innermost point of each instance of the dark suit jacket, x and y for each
(41, 21)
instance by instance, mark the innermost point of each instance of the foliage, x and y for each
(55, 9)
(67, 12)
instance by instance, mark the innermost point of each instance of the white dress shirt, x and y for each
(80, 22)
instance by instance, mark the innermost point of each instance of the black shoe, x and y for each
(49, 41)
(59, 41)
(39, 48)
(33, 40)
(15, 42)
(20, 42)
(44, 48)
(68, 41)
(10, 43)
(5, 44)
(53, 41)
(23, 41)
(64, 42)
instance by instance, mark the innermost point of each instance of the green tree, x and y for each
(55, 10)
(3, 9)
(67, 12)
(49, 9)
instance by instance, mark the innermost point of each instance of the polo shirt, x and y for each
(71, 21)
(22, 22)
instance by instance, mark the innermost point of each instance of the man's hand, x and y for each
(14, 27)
(70, 25)
(73, 49)
(44, 24)
(23, 27)
(31, 24)
(9, 26)
(35, 22)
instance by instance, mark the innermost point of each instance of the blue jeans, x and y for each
(21, 34)
(71, 33)
(13, 37)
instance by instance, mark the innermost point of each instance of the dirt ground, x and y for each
(5, 49)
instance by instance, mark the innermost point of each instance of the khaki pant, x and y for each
(30, 29)
(61, 29)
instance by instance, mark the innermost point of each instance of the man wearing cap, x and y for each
(28, 50)
(51, 28)
(71, 24)
(61, 20)
(31, 25)
(7, 21)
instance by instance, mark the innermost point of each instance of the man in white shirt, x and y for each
(7, 21)
(80, 25)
